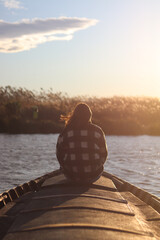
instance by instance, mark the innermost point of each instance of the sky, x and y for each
(96, 48)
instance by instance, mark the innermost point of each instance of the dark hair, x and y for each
(81, 115)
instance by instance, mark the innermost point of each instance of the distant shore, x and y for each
(27, 112)
(15, 126)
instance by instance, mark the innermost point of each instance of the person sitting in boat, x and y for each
(81, 148)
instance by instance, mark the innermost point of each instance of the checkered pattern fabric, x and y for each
(82, 152)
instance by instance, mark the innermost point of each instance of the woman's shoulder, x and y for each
(89, 127)
(95, 127)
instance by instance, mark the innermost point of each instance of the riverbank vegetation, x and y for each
(25, 111)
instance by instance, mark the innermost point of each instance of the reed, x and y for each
(25, 111)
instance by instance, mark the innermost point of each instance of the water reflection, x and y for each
(25, 157)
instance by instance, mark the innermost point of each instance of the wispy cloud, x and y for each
(12, 4)
(27, 34)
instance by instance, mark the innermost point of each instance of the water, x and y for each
(25, 157)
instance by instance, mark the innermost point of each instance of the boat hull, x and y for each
(54, 208)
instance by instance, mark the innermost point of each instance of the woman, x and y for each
(81, 147)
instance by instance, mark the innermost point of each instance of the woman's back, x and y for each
(81, 150)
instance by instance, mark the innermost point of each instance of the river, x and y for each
(25, 157)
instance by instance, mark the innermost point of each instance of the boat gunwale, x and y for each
(124, 186)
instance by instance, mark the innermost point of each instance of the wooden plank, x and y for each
(78, 234)
(78, 190)
(86, 226)
(61, 180)
(80, 195)
(105, 182)
(80, 216)
(144, 211)
(149, 213)
(133, 199)
(68, 201)
(155, 226)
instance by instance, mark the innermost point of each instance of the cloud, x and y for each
(12, 4)
(27, 34)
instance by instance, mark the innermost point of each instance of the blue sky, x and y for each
(92, 47)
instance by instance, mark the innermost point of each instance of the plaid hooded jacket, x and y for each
(82, 152)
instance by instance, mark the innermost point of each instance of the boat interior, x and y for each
(52, 207)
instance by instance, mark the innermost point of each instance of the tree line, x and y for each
(25, 111)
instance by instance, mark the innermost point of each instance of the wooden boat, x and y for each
(51, 207)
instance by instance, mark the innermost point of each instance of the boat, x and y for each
(52, 207)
